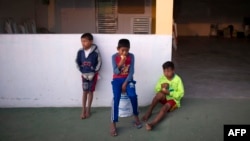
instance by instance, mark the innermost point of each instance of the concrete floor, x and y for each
(214, 68)
(197, 120)
(216, 73)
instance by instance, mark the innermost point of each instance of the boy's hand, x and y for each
(123, 57)
(122, 61)
(165, 91)
(164, 85)
(124, 87)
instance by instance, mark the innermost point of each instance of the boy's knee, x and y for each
(160, 96)
(165, 108)
(133, 97)
(131, 86)
(131, 92)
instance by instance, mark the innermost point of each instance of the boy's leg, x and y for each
(168, 106)
(84, 101)
(131, 92)
(84, 97)
(158, 97)
(91, 87)
(117, 89)
(90, 99)
(159, 116)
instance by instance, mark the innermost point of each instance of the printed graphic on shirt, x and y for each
(125, 69)
(86, 63)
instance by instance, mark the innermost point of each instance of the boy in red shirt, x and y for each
(123, 69)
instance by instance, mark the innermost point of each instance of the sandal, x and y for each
(138, 125)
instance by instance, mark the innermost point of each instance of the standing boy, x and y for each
(123, 69)
(169, 91)
(89, 63)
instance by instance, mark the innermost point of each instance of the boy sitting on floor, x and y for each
(169, 91)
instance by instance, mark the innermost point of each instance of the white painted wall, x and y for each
(40, 70)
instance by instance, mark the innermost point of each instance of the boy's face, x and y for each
(169, 73)
(86, 43)
(123, 51)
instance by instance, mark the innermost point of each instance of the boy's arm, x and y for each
(99, 60)
(131, 69)
(159, 87)
(116, 69)
(78, 59)
(178, 94)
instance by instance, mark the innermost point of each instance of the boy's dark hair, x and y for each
(167, 65)
(123, 43)
(88, 36)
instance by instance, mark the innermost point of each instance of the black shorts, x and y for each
(89, 86)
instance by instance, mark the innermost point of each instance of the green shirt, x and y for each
(176, 88)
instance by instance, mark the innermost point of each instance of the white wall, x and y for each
(40, 70)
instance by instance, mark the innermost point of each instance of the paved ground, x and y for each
(214, 68)
(197, 120)
(216, 74)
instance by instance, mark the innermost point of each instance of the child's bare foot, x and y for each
(148, 127)
(113, 130)
(87, 114)
(146, 117)
(83, 116)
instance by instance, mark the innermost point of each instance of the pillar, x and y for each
(164, 17)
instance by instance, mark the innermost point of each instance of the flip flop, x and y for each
(137, 125)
